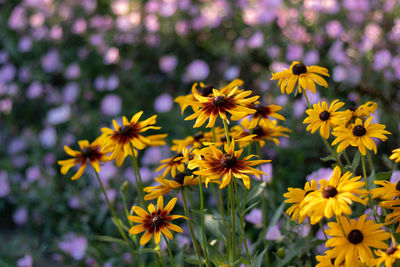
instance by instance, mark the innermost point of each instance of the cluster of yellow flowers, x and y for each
(350, 240)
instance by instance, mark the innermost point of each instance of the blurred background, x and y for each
(67, 68)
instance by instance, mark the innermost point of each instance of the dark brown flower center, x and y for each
(398, 186)
(299, 68)
(329, 191)
(180, 177)
(258, 131)
(178, 155)
(207, 90)
(157, 221)
(258, 107)
(359, 130)
(228, 161)
(223, 139)
(391, 250)
(355, 237)
(324, 115)
(219, 100)
(124, 129)
(198, 136)
(86, 152)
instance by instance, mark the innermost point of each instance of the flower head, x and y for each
(122, 139)
(93, 153)
(296, 197)
(388, 256)
(387, 191)
(214, 164)
(156, 221)
(359, 135)
(321, 117)
(263, 113)
(333, 197)
(219, 104)
(306, 76)
(356, 244)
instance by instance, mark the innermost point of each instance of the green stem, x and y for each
(189, 222)
(203, 231)
(241, 217)
(366, 185)
(228, 138)
(341, 226)
(138, 179)
(323, 230)
(370, 163)
(213, 134)
(346, 157)
(305, 95)
(336, 155)
(232, 202)
(171, 256)
(114, 214)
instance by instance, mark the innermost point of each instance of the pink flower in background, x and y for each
(273, 233)
(20, 216)
(256, 41)
(255, 216)
(334, 29)
(197, 70)
(382, 59)
(73, 71)
(4, 184)
(25, 261)
(51, 61)
(111, 105)
(168, 63)
(74, 245)
(34, 90)
(163, 103)
(111, 56)
(323, 173)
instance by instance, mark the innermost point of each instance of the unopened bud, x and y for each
(124, 187)
(281, 252)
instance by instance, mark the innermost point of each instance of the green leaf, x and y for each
(255, 192)
(193, 259)
(251, 207)
(328, 158)
(215, 256)
(383, 175)
(259, 258)
(356, 161)
(126, 228)
(277, 215)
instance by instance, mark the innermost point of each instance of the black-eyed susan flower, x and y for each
(214, 164)
(349, 116)
(333, 196)
(356, 241)
(387, 191)
(263, 112)
(307, 76)
(120, 139)
(387, 257)
(220, 104)
(180, 180)
(155, 222)
(197, 140)
(395, 155)
(263, 132)
(173, 164)
(394, 216)
(92, 153)
(295, 196)
(321, 117)
(359, 135)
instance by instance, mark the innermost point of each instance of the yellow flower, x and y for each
(349, 116)
(321, 117)
(206, 91)
(359, 237)
(197, 140)
(93, 153)
(296, 197)
(394, 216)
(263, 113)
(213, 164)
(121, 138)
(219, 104)
(264, 131)
(173, 164)
(307, 77)
(359, 135)
(388, 190)
(155, 221)
(388, 256)
(333, 197)
(395, 155)
(180, 180)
